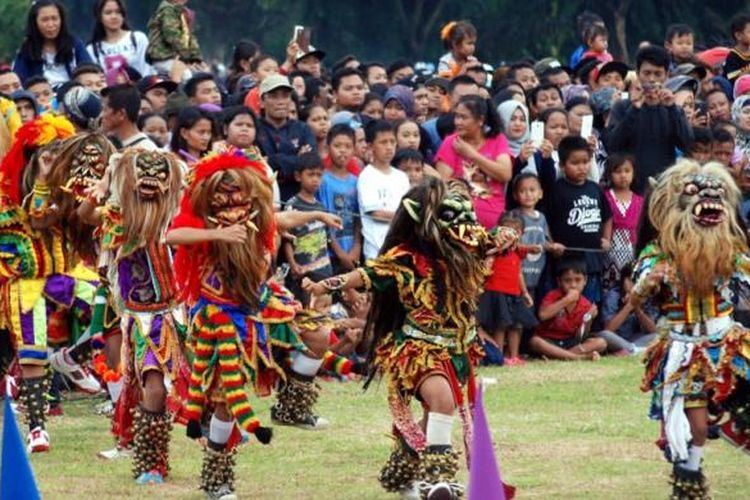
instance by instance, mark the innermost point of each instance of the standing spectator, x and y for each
(348, 90)
(738, 60)
(398, 103)
(192, 135)
(25, 104)
(156, 89)
(170, 36)
(649, 125)
(380, 187)
(9, 81)
(719, 107)
(43, 93)
(478, 153)
(457, 88)
(113, 44)
(399, 71)
(281, 138)
(242, 55)
(375, 73)
(48, 49)
(91, 76)
(120, 106)
(201, 88)
(310, 61)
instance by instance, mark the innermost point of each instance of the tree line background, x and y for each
(384, 31)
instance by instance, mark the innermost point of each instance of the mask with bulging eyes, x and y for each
(705, 197)
(230, 206)
(86, 169)
(152, 175)
(457, 219)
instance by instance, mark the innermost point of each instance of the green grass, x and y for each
(575, 430)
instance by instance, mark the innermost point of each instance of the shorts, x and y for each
(563, 343)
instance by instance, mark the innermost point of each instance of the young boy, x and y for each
(722, 147)
(679, 42)
(597, 41)
(738, 60)
(578, 213)
(338, 194)
(566, 316)
(700, 148)
(42, 90)
(170, 36)
(380, 186)
(410, 162)
(307, 254)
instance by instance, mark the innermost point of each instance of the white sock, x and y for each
(114, 388)
(219, 430)
(305, 365)
(439, 429)
(695, 454)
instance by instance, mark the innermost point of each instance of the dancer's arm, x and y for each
(294, 218)
(353, 279)
(193, 235)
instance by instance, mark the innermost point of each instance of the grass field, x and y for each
(575, 430)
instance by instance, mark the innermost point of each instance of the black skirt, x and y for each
(499, 311)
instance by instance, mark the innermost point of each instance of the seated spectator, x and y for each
(25, 104)
(49, 50)
(113, 44)
(9, 81)
(171, 37)
(91, 76)
(565, 317)
(43, 93)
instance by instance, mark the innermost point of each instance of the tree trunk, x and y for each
(621, 15)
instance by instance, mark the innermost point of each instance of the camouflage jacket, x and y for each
(170, 34)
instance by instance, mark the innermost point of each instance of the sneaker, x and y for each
(115, 453)
(38, 441)
(82, 378)
(516, 361)
(313, 423)
(410, 492)
(223, 493)
(150, 477)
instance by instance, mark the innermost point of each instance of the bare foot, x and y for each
(595, 356)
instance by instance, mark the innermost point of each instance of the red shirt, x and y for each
(506, 273)
(353, 165)
(567, 324)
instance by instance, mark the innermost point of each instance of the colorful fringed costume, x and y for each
(697, 259)
(241, 322)
(425, 285)
(39, 287)
(145, 189)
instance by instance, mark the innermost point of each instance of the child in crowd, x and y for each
(154, 125)
(555, 128)
(307, 254)
(700, 148)
(407, 134)
(411, 162)
(722, 147)
(460, 39)
(373, 106)
(317, 119)
(679, 42)
(505, 306)
(527, 191)
(578, 212)
(738, 60)
(625, 206)
(627, 328)
(338, 194)
(262, 66)
(170, 36)
(597, 42)
(380, 186)
(566, 316)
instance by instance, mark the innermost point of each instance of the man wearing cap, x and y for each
(25, 104)
(156, 90)
(610, 74)
(280, 138)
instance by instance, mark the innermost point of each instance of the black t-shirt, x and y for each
(736, 65)
(576, 215)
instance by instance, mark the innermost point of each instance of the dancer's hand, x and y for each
(231, 234)
(313, 288)
(330, 220)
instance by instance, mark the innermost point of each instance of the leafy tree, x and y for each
(12, 26)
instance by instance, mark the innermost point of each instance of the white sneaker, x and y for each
(410, 492)
(82, 378)
(313, 423)
(38, 441)
(105, 408)
(115, 453)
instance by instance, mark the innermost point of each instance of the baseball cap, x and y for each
(741, 86)
(311, 51)
(687, 68)
(542, 65)
(611, 67)
(149, 82)
(680, 82)
(273, 82)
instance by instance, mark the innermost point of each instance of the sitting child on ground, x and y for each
(505, 305)
(565, 317)
(627, 328)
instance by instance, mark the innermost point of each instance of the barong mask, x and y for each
(694, 210)
(87, 165)
(152, 176)
(230, 205)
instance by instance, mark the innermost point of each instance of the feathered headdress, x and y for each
(34, 134)
(189, 260)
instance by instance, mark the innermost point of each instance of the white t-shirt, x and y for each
(55, 73)
(114, 55)
(378, 191)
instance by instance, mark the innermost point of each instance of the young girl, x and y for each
(504, 307)
(626, 211)
(154, 125)
(555, 128)
(460, 39)
(373, 106)
(260, 67)
(316, 118)
(192, 134)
